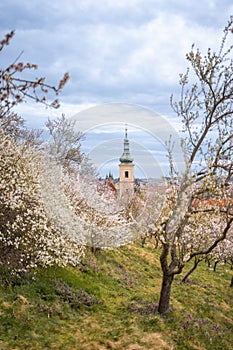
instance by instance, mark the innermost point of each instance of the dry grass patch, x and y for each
(155, 341)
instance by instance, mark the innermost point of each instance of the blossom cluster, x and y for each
(28, 237)
(102, 216)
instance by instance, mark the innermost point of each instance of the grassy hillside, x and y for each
(110, 303)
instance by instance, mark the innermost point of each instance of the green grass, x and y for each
(110, 303)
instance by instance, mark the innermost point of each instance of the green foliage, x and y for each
(110, 302)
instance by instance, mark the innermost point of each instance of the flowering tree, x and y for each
(223, 253)
(145, 209)
(64, 143)
(205, 233)
(104, 220)
(28, 237)
(205, 108)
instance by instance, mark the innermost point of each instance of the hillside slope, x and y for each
(110, 303)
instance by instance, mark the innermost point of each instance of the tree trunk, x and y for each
(196, 262)
(164, 300)
(215, 266)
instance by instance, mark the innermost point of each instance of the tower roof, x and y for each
(126, 157)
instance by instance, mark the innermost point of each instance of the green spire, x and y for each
(126, 157)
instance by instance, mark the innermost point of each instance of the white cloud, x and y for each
(115, 51)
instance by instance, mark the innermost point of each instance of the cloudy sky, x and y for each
(119, 53)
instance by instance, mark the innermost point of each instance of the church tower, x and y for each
(126, 166)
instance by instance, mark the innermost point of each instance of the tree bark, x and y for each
(164, 300)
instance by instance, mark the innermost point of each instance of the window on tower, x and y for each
(126, 174)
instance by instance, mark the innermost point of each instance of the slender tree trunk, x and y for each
(231, 285)
(164, 300)
(143, 241)
(196, 262)
(215, 266)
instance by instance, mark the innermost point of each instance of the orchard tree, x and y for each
(64, 146)
(144, 209)
(205, 107)
(204, 232)
(64, 143)
(28, 236)
(223, 253)
(105, 225)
